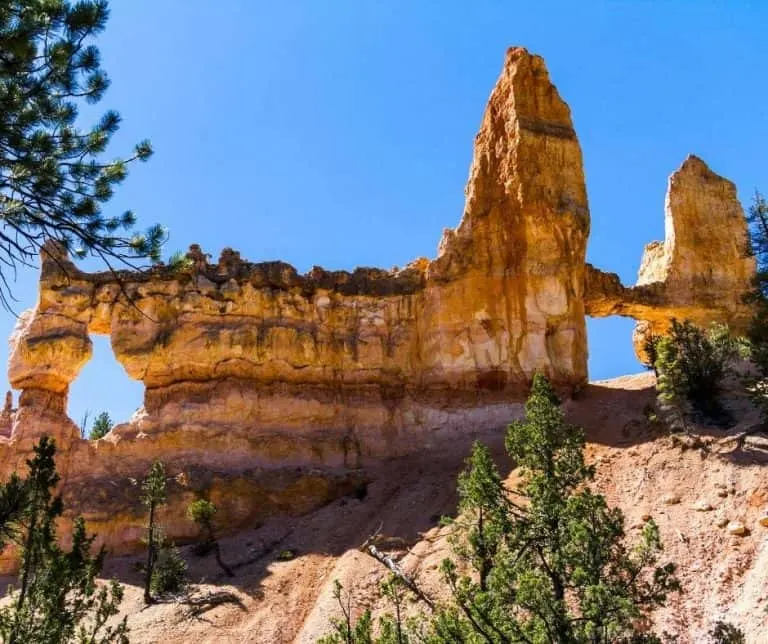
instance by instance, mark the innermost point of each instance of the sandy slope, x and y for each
(280, 602)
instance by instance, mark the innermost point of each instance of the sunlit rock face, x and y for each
(505, 295)
(269, 390)
(700, 272)
(335, 367)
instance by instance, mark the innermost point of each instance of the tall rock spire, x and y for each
(517, 257)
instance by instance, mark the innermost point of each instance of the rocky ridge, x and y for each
(269, 391)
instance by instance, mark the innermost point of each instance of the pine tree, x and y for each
(102, 425)
(758, 224)
(545, 562)
(165, 570)
(13, 500)
(58, 599)
(153, 496)
(671, 393)
(726, 633)
(54, 180)
(651, 350)
(483, 513)
(169, 575)
(393, 627)
(562, 571)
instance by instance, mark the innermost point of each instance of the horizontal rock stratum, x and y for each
(264, 383)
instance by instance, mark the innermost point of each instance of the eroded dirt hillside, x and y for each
(639, 469)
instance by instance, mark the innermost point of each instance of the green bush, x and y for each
(169, 575)
(691, 365)
(202, 513)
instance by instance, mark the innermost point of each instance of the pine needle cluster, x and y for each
(54, 177)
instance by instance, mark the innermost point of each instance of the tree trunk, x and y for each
(150, 554)
(29, 562)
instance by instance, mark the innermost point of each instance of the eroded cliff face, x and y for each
(269, 390)
(361, 359)
(700, 272)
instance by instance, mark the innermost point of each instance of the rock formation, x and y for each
(508, 283)
(261, 382)
(700, 272)
(360, 362)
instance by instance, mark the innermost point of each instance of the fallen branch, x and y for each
(387, 561)
(742, 437)
(203, 603)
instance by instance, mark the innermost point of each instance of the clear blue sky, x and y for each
(340, 132)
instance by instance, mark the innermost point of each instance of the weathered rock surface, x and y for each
(261, 382)
(517, 257)
(352, 360)
(255, 366)
(700, 272)
(737, 528)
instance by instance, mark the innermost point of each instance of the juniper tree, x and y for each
(58, 599)
(691, 365)
(102, 425)
(54, 177)
(562, 571)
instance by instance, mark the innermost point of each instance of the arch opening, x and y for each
(103, 386)
(609, 343)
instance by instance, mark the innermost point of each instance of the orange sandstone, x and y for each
(267, 390)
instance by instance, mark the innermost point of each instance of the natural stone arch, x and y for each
(103, 385)
(460, 336)
(700, 272)
(271, 387)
